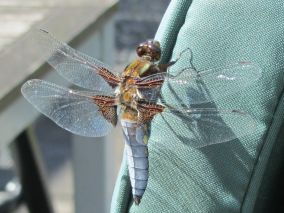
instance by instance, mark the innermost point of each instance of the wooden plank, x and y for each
(21, 61)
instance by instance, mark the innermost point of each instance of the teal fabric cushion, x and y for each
(226, 177)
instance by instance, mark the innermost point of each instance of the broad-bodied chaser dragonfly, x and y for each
(136, 96)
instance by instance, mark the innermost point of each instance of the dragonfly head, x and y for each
(149, 50)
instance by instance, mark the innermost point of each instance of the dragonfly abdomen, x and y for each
(137, 157)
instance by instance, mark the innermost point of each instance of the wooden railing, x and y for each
(89, 29)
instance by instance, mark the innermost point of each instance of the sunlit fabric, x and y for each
(222, 177)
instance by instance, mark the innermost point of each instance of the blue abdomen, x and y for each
(137, 157)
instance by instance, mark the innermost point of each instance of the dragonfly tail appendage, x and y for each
(108, 107)
(137, 157)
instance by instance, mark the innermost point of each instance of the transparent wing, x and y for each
(204, 86)
(72, 110)
(201, 127)
(78, 68)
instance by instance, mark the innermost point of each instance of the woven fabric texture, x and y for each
(224, 177)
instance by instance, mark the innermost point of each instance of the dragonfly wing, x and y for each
(78, 68)
(202, 127)
(72, 110)
(193, 87)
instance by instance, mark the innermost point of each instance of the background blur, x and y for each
(44, 168)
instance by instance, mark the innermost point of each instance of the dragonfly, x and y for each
(136, 96)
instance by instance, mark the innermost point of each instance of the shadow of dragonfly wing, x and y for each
(78, 68)
(202, 127)
(72, 110)
(206, 86)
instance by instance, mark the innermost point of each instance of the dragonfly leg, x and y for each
(164, 67)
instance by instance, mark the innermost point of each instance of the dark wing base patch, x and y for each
(112, 79)
(146, 111)
(108, 107)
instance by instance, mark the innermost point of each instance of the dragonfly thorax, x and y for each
(127, 94)
(137, 68)
(128, 91)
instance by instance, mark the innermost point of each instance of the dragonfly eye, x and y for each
(149, 49)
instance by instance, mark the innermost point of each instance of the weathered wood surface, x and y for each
(20, 60)
(83, 23)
